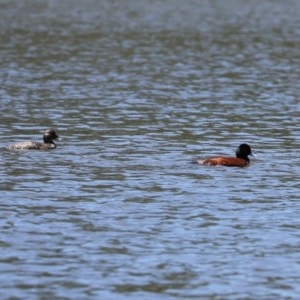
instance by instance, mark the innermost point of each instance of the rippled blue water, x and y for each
(137, 90)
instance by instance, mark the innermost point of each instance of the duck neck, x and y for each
(48, 140)
(242, 156)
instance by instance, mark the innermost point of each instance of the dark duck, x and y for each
(48, 137)
(241, 159)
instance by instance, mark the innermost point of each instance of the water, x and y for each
(136, 90)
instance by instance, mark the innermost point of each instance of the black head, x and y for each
(243, 151)
(49, 136)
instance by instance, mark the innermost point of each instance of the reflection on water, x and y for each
(136, 91)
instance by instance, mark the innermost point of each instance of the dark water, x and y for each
(136, 90)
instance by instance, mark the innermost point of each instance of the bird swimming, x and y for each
(49, 136)
(241, 159)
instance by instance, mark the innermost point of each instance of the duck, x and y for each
(48, 136)
(241, 159)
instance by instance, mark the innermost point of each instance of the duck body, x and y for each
(48, 137)
(224, 161)
(31, 145)
(241, 159)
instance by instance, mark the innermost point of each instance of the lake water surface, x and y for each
(137, 90)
